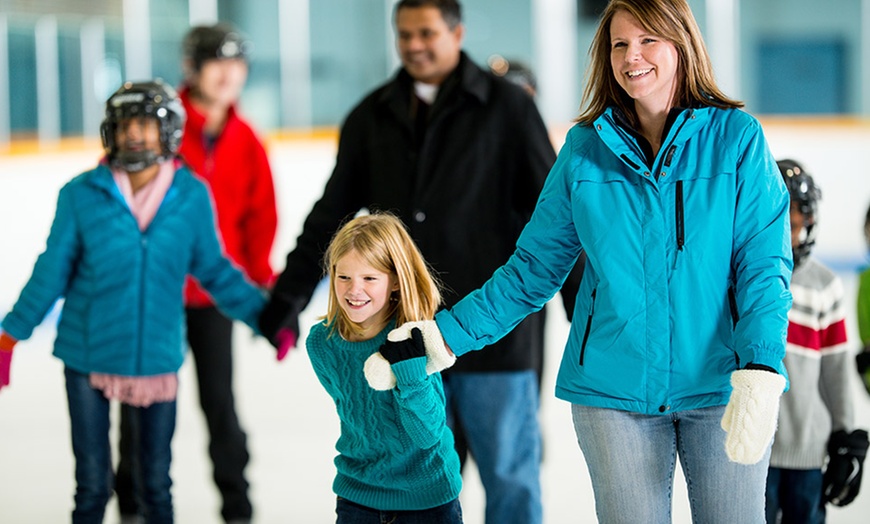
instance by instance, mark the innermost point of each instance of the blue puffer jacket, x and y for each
(123, 310)
(688, 268)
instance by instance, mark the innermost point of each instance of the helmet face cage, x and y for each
(805, 194)
(143, 99)
(214, 42)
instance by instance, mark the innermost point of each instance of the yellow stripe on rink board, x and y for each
(27, 145)
(30, 146)
(818, 122)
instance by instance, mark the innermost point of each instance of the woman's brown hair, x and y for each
(671, 20)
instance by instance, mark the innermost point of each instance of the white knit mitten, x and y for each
(751, 413)
(377, 370)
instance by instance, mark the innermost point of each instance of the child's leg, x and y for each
(128, 477)
(89, 427)
(157, 425)
(802, 496)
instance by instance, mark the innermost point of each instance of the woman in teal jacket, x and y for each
(672, 193)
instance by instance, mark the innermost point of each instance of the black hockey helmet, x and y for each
(208, 42)
(806, 194)
(153, 98)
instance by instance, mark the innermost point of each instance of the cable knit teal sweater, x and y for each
(395, 449)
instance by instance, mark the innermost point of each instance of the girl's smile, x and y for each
(363, 292)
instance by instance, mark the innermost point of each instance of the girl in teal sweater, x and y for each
(396, 460)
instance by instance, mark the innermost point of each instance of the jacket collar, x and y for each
(467, 77)
(685, 125)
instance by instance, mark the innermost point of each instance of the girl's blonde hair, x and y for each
(669, 19)
(383, 242)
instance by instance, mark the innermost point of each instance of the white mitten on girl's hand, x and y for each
(751, 413)
(377, 370)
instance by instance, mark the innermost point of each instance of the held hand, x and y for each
(405, 349)
(279, 323)
(377, 368)
(751, 413)
(286, 339)
(6, 345)
(842, 478)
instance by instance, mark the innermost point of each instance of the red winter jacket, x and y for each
(236, 170)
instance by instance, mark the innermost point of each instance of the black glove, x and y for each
(842, 478)
(404, 349)
(279, 313)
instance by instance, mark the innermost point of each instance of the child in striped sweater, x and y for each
(818, 408)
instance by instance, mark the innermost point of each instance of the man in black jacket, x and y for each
(460, 156)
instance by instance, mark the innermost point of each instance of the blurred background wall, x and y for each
(313, 60)
(801, 66)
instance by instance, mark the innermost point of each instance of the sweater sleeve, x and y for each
(260, 221)
(836, 373)
(420, 403)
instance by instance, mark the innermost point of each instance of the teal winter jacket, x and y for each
(688, 264)
(123, 311)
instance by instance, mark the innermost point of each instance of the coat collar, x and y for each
(467, 77)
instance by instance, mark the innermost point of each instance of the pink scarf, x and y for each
(145, 202)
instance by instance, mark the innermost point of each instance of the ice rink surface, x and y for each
(291, 422)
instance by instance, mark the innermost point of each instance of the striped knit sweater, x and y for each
(819, 367)
(395, 449)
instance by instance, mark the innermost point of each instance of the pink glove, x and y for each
(6, 345)
(286, 339)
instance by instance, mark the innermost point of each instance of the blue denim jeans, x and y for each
(795, 495)
(632, 459)
(89, 425)
(499, 414)
(351, 513)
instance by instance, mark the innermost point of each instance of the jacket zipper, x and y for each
(144, 246)
(588, 328)
(681, 228)
(679, 218)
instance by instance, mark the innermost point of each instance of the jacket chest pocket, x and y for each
(700, 212)
(605, 209)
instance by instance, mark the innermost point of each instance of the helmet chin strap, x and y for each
(135, 161)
